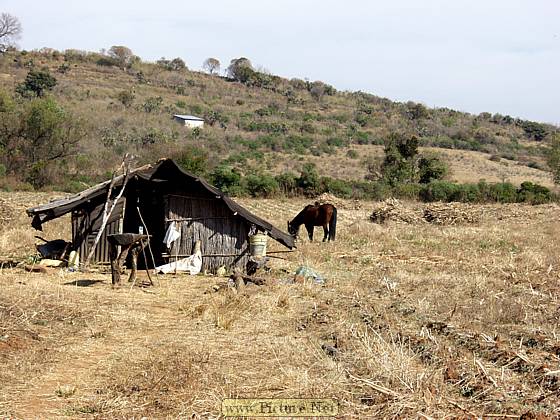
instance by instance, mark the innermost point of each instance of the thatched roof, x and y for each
(57, 208)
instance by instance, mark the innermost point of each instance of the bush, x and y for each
(36, 83)
(288, 183)
(193, 160)
(126, 97)
(338, 187)
(152, 104)
(533, 193)
(438, 191)
(261, 185)
(431, 168)
(308, 180)
(226, 178)
(408, 191)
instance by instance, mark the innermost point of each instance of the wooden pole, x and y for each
(107, 213)
(149, 246)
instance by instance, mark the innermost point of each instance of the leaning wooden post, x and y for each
(107, 213)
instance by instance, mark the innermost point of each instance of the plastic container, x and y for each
(257, 245)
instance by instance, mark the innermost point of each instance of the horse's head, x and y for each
(292, 230)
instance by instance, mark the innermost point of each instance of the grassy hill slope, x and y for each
(264, 124)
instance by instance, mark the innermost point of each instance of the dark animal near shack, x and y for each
(315, 215)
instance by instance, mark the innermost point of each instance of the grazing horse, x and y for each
(315, 215)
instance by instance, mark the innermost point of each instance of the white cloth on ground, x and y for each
(192, 264)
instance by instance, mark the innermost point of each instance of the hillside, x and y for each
(257, 124)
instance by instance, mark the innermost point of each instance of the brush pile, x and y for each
(452, 214)
(393, 210)
(337, 202)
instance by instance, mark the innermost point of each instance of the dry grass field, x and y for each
(415, 320)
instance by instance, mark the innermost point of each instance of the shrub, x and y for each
(193, 160)
(533, 193)
(438, 191)
(36, 83)
(431, 168)
(126, 97)
(287, 183)
(226, 178)
(308, 180)
(298, 144)
(408, 191)
(261, 185)
(152, 104)
(338, 187)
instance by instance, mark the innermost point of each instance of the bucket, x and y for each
(257, 245)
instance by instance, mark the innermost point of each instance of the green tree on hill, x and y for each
(240, 69)
(36, 83)
(553, 158)
(399, 164)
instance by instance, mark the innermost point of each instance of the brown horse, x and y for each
(315, 215)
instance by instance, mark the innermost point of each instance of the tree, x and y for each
(553, 158)
(10, 30)
(172, 65)
(122, 56)
(317, 90)
(240, 69)
(211, 65)
(431, 168)
(36, 83)
(37, 137)
(177, 64)
(399, 164)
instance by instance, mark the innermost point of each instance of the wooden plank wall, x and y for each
(210, 221)
(86, 225)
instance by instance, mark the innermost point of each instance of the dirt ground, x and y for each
(415, 320)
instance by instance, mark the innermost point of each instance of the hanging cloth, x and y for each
(171, 235)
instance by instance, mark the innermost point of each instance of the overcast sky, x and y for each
(478, 55)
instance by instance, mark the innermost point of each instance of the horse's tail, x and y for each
(332, 225)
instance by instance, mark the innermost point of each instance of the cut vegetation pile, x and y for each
(394, 210)
(452, 214)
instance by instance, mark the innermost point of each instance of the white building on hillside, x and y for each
(189, 120)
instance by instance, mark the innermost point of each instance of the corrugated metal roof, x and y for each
(57, 208)
(188, 117)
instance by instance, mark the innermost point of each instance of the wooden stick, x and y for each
(149, 246)
(107, 214)
(146, 261)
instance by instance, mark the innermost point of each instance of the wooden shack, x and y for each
(155, 196)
